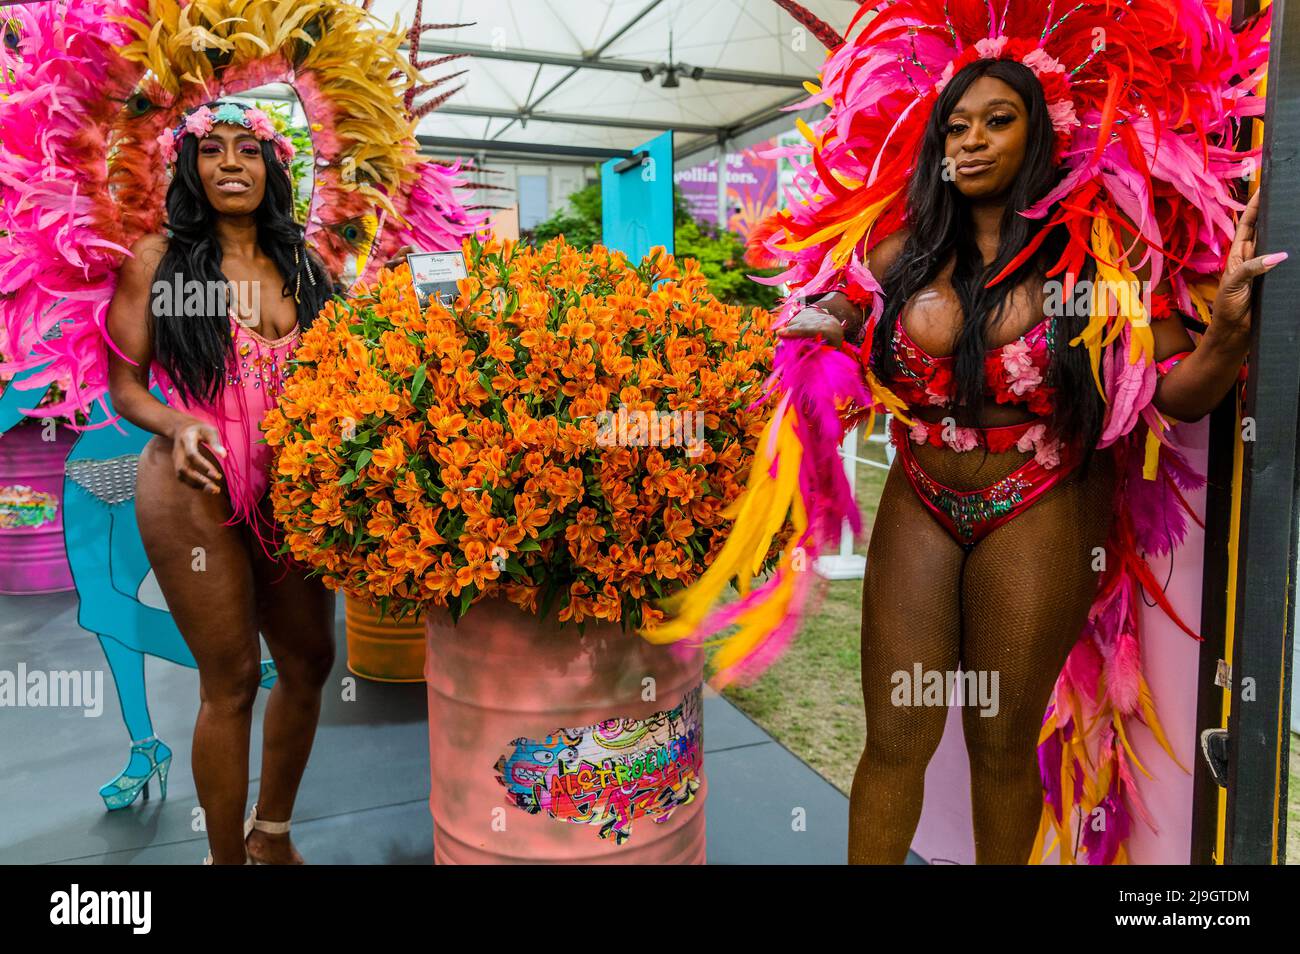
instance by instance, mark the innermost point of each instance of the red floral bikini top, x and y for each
(1013, 373)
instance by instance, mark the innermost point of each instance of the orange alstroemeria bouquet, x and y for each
(565, 434)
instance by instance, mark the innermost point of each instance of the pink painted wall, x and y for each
(1170, 663)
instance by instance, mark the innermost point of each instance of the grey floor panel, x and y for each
(363, 799)
(759, 796)
(726, 727)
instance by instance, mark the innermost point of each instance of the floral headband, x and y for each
(1050, 72)
(199, 122)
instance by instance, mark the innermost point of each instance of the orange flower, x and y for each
(677, 525)
(585, 529)
(479, 566)
(381, 522)
(392, 455)
(493, 452)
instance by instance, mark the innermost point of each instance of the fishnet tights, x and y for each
(1015, 605)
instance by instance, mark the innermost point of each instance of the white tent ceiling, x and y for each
(565, 73)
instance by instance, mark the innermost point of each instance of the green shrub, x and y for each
(720, 253)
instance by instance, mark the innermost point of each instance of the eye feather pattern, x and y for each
(352, 231)
(138, 104)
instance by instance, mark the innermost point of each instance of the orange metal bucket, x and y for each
(381, 649)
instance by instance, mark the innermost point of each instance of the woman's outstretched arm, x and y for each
(833, 315)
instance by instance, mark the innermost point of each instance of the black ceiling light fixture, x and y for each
(670, 70)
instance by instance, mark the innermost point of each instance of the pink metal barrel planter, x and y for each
(32, 556)
(381, 649)
(548, 747)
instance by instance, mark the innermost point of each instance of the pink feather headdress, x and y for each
(1145, 98)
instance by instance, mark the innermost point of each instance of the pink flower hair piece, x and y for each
(259, 123)
(199, 122)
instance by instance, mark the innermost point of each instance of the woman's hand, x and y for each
(1231, 314)
(399, 257)
(192, 467)
(831, 317)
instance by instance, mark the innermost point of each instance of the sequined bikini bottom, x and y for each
(971, 515)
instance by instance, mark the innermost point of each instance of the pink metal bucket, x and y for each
(548, 747)
(32, 556)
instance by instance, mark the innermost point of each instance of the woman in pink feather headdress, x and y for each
(1008, 247)
(214, 310)
(1014, 231)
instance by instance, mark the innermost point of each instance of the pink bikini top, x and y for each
(1013, 373)
(255, 374)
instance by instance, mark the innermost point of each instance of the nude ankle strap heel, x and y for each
(253, 823)
(270, 827)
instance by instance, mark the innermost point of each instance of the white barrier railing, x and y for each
(845, 564)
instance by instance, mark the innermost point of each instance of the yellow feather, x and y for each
(1057, 839)
(892, 402)
(790, 453)
(1151, 461)
(691, 605)
(1153, 721)
(1044, 823)
(756, 622)
(1067, 780)
(1049, 726)
(806, 131)
(1117, 721)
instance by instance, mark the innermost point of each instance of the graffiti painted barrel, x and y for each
(380, 648)
(546, 746)
(32, 556)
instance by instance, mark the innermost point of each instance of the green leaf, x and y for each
(552, 591)
(348, 477)
(364, 458)
(529, 544)
(418, 382)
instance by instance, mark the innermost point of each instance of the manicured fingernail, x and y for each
(1276, 257)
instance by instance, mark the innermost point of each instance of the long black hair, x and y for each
(194, 348)
(940, 225)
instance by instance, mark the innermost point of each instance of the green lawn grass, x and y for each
(811, 699)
